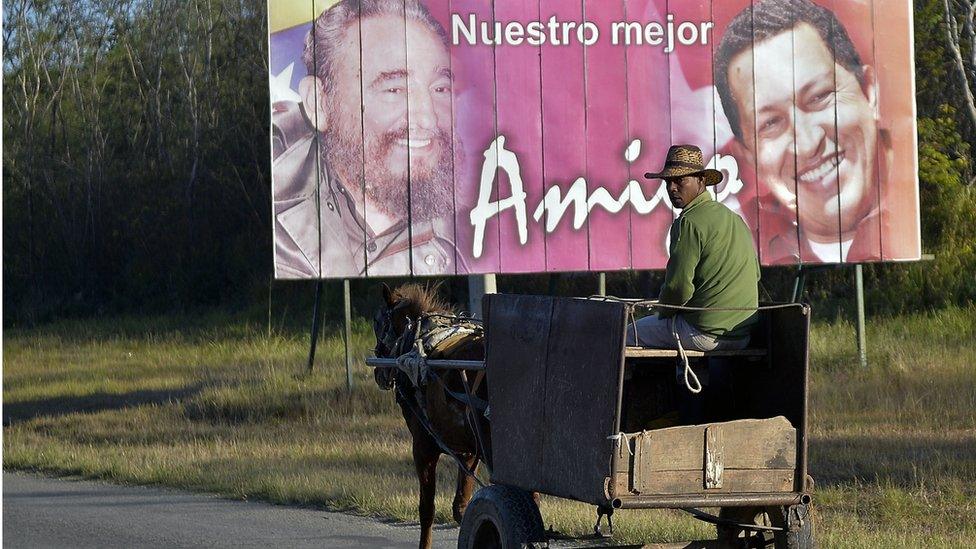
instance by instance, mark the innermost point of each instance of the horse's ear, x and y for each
(388, 295)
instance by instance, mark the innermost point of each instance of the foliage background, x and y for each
(136, 170)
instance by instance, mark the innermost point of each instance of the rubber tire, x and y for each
(501, 517)
(799, 538)
(736, 537)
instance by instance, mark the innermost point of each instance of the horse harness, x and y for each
(433, 336)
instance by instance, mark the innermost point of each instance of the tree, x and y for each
(136, 155)
(961, 43)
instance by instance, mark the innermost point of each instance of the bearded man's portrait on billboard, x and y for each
(363, 166)
(804, 109)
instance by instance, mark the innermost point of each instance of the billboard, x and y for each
(437, 137)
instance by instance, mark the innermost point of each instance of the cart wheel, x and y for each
(738, 537)
(798, 536)
(799, 524)
(500, 517)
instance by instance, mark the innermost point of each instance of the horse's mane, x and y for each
(423, 299)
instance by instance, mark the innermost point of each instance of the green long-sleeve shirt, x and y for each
(713, 263)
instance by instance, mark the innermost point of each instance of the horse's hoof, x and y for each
(459, 513)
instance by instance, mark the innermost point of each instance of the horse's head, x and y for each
(401, 310)
(390, 322)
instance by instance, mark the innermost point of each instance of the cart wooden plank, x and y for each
(517, 343)
(643, 352)
(585, 359)
(733, 481)
(747, 444)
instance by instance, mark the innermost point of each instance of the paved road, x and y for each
(45, 512)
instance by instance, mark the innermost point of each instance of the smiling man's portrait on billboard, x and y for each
(809, 122)
(370, 190)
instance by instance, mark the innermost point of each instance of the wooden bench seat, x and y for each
(643, 352)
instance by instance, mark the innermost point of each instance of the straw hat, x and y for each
(686, 160)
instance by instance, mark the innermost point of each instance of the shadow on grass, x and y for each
(903, 461)
(96, 402)
(266, 400)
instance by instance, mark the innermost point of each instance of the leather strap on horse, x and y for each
(425, 423)
(469, 400)
(438, 336)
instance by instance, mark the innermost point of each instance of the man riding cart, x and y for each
(584, 404)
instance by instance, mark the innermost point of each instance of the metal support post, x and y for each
(862, 351)
(347, 333)
(798, 283)
(644, 286)
(478, 286)
(315, 325)
(601, 284)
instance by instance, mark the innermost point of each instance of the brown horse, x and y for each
(429, 406)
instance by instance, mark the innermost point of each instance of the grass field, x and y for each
(218, 405)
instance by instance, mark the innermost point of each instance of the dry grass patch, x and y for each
(228, 410)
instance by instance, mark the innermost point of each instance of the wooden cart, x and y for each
(577, 414)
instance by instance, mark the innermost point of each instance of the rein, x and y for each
(425, 423)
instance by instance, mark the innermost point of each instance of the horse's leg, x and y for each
(465, 486)
(425, 460)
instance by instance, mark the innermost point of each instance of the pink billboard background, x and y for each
(434, 137)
